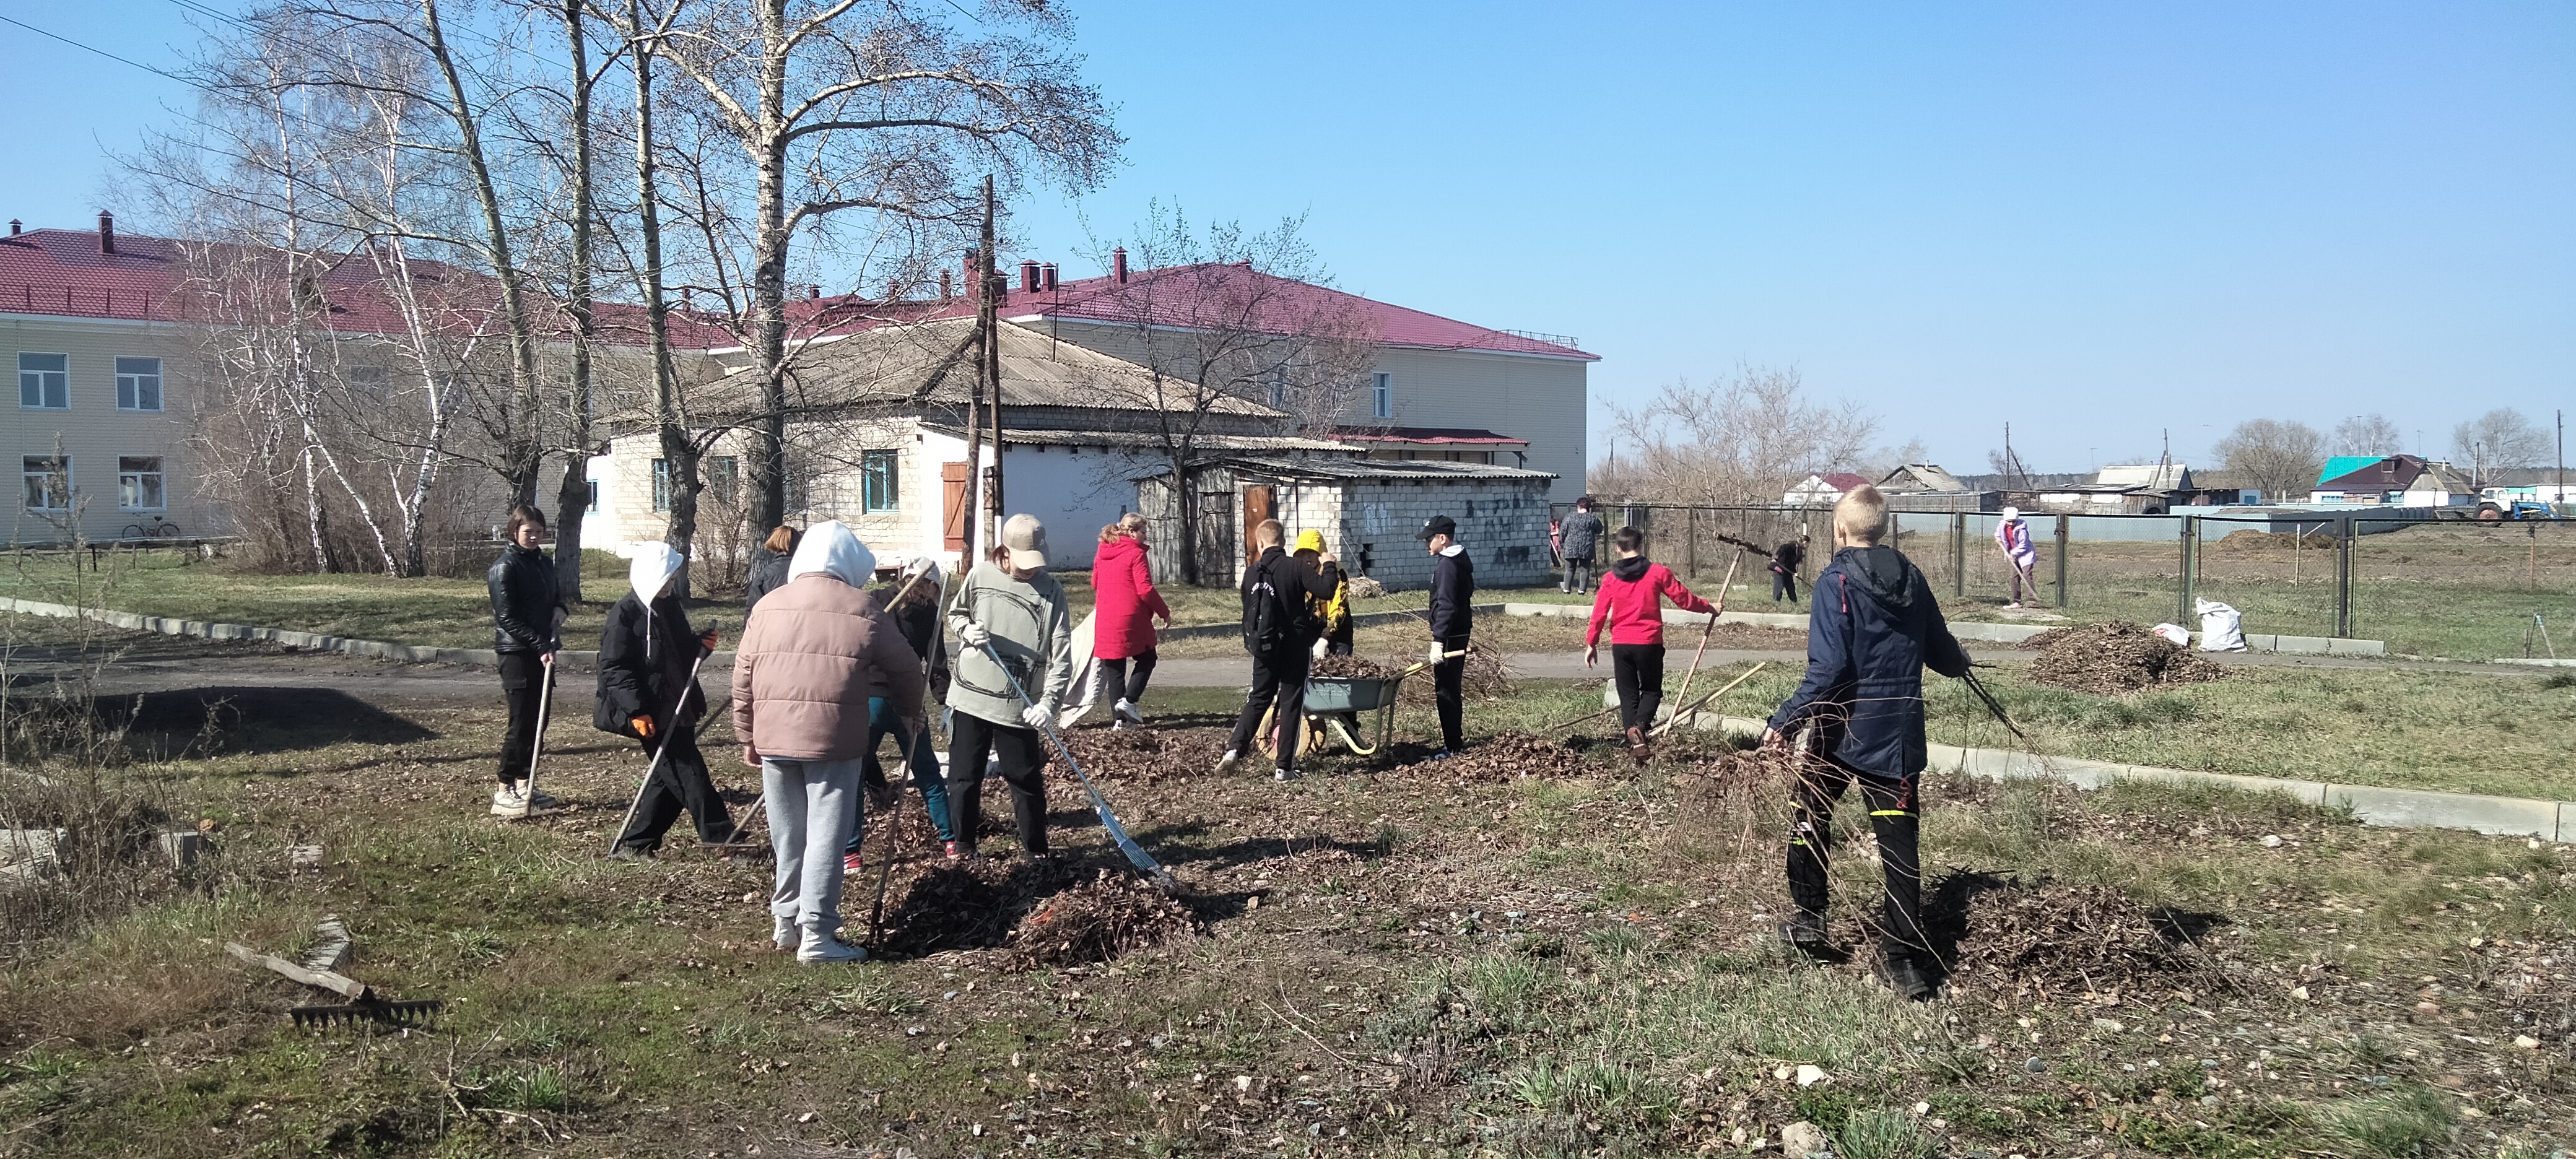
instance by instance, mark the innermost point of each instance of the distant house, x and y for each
(1921, 478)
(2125, 489)
(1822, 490)
(2392, 481)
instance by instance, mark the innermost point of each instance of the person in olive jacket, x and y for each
(527, 612)
(646, 653)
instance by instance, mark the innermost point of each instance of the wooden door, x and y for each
(953, 505)
(1257, 507)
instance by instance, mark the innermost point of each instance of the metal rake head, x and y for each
(410, 1013)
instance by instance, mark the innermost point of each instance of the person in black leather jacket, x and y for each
(769, 566)
(527, 613)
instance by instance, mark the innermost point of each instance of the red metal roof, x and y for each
(61, 272)
(1428, 435)
(1841, 481)
(1197, 296)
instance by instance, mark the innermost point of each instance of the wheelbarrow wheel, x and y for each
(1310, 739)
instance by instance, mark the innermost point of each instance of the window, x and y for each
(45, 381)
(1382, 397)
(593, 484)
(49, 482)
(1279, 389)
(138, 384)
(367, 382)
(724, 479)
(138, 483)
(879, 485)
(661, 484)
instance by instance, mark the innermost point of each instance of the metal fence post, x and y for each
(1690, 544)
(2343, 579)
(2062, 537)
(1958, 555)
(2190, 540)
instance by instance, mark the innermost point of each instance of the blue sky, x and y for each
(2094, 221)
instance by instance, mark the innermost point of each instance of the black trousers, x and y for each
(1895, 817)
(1280, 680)
(1117, 678)
(1449, 693)
(1783, 580)
(1578, 574)
(1638, 670)
(1023, 758)
(523, 683)
(679, 782)
(1339, 641)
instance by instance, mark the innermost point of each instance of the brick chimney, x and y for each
(106, 232)
(1046, 273)
(1118, 264)
(1028, 276)
(15, 226)
(947, 285)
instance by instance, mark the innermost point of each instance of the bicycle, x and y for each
(160, 529)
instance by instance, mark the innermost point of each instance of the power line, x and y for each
(102, 52)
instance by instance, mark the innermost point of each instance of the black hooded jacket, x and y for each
(1453, 586)
(1872, 627)
(644, 662)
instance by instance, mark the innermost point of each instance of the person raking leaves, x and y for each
(1632, 600)
(1872, 627)
(646, 654)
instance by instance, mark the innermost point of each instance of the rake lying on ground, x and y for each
(315, 971)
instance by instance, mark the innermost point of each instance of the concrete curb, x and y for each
(289, 637)
(2553, 821)
(2540, 663)
(1972, 630)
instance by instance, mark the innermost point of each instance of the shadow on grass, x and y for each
(256, 720)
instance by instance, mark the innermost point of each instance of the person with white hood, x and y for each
(1010, 607)
(809, 658)
(646, 653)
(2013, 535)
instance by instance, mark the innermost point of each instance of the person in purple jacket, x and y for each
(1872, 628)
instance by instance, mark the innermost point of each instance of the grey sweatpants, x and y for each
(814, 806)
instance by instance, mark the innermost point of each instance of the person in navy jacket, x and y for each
(1872, 627)
(1453, 587)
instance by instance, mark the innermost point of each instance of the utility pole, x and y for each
(987, 322)
(2562, 456)
(970, 514)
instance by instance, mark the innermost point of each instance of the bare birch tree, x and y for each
(1740, 441)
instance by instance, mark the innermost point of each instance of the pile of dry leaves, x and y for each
(1147, 754)
(1098, 920)
(2114, 658)
(1350, 668)
(1507, 756)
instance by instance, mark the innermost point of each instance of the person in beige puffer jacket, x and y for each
(801, 676)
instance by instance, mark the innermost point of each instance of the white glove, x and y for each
(1036, 716)
(1438, 653)
(975, 635)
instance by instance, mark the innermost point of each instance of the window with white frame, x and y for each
(1279, 388)
(138, 384)
(1382, 396)
(879, 481)
(49, 481)
(139, 484)
(724, 479)
(44, 381)
(661, 484)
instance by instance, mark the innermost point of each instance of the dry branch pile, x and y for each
(968, 905)
(2114, 658)
(1098, 920)
(2061, 940)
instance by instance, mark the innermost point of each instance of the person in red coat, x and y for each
(1632, 598)
(1124, 597)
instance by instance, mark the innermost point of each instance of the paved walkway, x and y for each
(1569, 665)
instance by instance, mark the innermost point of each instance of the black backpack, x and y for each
(1270, 624)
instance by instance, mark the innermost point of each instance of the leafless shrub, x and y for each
(1738, 441)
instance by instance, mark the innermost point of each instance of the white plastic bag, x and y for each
(2181, 636)
(2222, 629)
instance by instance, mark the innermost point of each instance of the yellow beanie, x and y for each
(1310, 540)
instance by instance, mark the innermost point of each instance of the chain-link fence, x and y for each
(2449, 587)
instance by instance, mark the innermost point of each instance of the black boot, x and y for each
(1908, 978)
(1805, 933)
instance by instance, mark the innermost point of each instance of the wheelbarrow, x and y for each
(1334, 705)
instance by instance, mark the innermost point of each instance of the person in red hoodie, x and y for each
(1124, 597)
(1631, 598)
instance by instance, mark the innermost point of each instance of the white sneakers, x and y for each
(1125, 710)
(785, 936)
(1226, 763)
(514, 800)
(816, 945)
